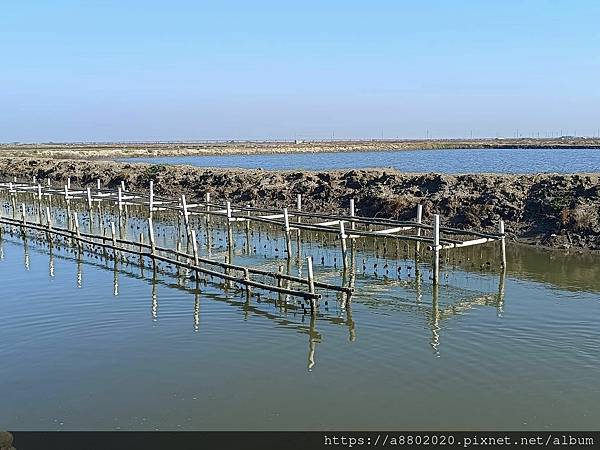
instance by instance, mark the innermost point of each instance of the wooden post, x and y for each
(48, 217)
(352, 214)
(186, 217)
(123, 185)
(311, 284)
(89, 198)
(39, 192)
(77, 233)
(194, 247)
(97, 183)
(120, 198)
(114, 239)
(343, 237)
(151, 236)
(23, 215)
(419, 221)
(229, 230)
(66, 192)
(502, 242)
(436, 249)
(151, 197)
(69, 182)
(76, 222)
(142, 250)
(299, 208)
(247, 278)
(49, 182)
(288, 239)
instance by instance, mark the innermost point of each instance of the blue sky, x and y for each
(174, 70)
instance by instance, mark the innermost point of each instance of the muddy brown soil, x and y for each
(548, 209)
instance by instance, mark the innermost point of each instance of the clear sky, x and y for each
(175, 70)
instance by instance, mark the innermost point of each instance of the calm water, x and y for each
(442, 161)
(86, 344)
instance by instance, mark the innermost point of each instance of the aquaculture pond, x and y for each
(452, 161)
(89, 341)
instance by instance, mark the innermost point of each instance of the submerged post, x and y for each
(288, 239)
(502, 243)
(311, 284)
(436, 249)
(114, 238)
(151, 236)
(195, 247)
(186, 217)
(343, 237)
(419, 221)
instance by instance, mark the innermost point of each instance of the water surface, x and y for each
(88, 343)
(453, 161)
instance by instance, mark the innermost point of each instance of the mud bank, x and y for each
(554, 210)
(151, 149)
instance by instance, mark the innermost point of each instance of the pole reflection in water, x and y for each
(51, 260)
(79, 270)
(197, 307)
(314, 337)
(500, 307)
(435, 319)
(25, 252)
(154, 308)
(115, 276)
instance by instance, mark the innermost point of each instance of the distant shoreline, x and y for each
(107, 150)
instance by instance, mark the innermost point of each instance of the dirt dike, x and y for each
(554, 210)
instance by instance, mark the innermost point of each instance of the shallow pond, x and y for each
(90, 344)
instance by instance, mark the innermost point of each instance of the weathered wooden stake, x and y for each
(48, 217)
(120, 198)
(114, 239)
(98, 183)
(502, 243)
(195, 248)
(311, 284)
(288, 239)
(419, 220)
(151, 236)
(186, 218)
(89, 198)
(343, 237)
(229, 229)
(69, 182)
(352, 214)
(151, 197)
(436, 249)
